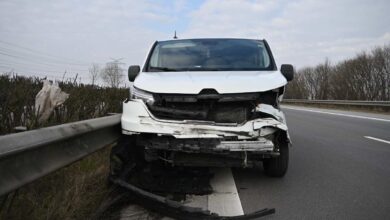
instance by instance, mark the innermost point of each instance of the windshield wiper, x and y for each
(167, 69)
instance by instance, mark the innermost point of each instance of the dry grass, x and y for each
(73, 192)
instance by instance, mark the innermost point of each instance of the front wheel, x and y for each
(277, 166)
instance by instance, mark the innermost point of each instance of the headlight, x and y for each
(141, 94)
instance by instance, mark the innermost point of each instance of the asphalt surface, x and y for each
(335, 172)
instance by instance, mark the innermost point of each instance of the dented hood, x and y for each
(192, 82)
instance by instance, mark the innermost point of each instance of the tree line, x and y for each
(363, 77)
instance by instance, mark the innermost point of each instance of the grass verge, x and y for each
(73, 192)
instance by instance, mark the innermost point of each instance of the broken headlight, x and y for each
(136, 93)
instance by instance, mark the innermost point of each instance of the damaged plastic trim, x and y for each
(136, 118)
(177, 210)
(206, 145)
(262, 145)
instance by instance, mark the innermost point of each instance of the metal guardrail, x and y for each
(379, 104)
(29, 155)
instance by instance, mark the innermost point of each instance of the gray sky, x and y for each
(48, 37)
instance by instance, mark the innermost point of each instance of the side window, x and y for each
(264, 57)
(154, 61)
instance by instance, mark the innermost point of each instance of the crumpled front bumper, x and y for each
(137, 119)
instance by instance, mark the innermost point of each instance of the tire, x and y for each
(277, 166)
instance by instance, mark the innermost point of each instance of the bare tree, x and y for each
(94, 72)
(297, 89)
(363, 77)
(112, 74)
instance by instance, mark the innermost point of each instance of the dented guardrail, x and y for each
(355, 103)
(29, 155)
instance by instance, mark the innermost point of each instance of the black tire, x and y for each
(277, 166)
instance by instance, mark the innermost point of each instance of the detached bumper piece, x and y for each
(205, 145)
(262, 145)
(207, 152)
(176, 210)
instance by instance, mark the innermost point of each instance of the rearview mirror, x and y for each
(133, 72)
(288, 71)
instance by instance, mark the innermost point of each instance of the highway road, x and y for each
(339, 169)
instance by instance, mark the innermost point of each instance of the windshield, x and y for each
(209, 55)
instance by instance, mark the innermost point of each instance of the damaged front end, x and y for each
(207, 129)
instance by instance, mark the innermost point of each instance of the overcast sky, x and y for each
(48, 37)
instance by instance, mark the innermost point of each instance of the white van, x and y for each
(207, 102)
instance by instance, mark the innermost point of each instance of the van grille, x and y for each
(209, 106)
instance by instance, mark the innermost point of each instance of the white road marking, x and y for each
(377, 139)
(225, 200)
(339, 114)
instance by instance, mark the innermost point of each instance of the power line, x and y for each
(39, 60)
(9, 54)
(39, 65)
(34, 62)
(40, 52)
